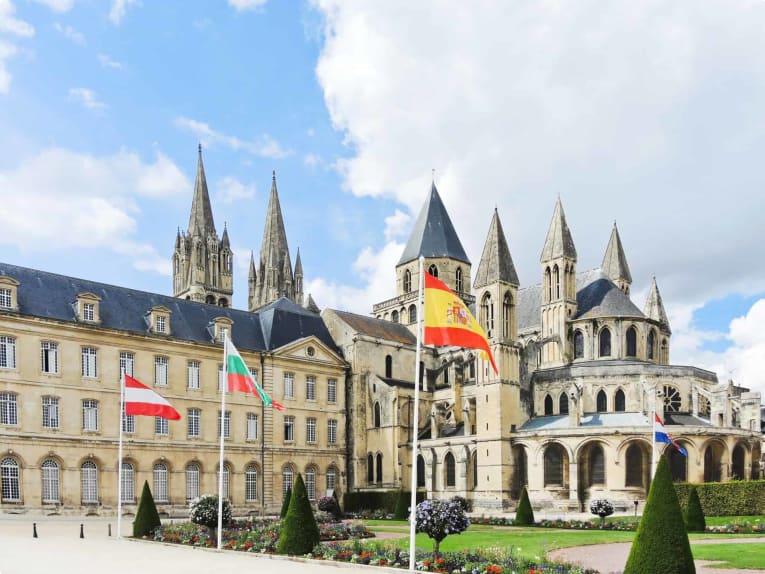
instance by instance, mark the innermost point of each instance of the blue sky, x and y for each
(649, 115)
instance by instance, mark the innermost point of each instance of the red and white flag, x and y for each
(141, 400)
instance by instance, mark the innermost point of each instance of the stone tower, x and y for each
(615, 263)
(274, 276)
(202, 263)
(657, 340)
(558, 290)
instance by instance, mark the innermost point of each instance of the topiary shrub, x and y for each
(337, 511)
(146, 518)
(694, 514)
(286, 503)
(299, 533)
(438, 519)
(601, 507)
(402, 506)
(661, 543)
(524, 515)
(204, 511)
(463, 502)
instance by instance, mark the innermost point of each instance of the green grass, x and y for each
(749, 556)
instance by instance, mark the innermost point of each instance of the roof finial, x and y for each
(273, 175)
(200, 147)
(433, 176)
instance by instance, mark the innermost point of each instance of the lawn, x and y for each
(732, 555)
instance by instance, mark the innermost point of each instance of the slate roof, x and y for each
(433, 234)
(379, 328)
(591, 420)
(558, 242)
(50, 296)
(685, 419)
(496, 262)
(601, 298)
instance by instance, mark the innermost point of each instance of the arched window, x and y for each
(370, 469)
(650, 345)
(379, 468)
(331, 478)
(9, 479)
(737, 466)
(520, 473)
(602, 401)
(672, 399)
(192, 481)
(310, 483)
(458, 280)
(288, 477)
(451, 474)
(605, 343)
(548, 284)
(554, 465)
(377, 415)
(407, 281)
(548, 405)
(160, 483)
(471, 368)
(89, 482)
(664, 351)
(433, 270)
(556, 282)
(563, 404)
(712, 464)
(474, 468)
(420, 471)
(388, 366)
(487, 314)
(634, 469)
(128, 483)
(394, 316)
(50, 482)
(578, 344)
(619, 401)
(631, 342)
(210, 300)
(412, 314)
(507, 306)
(597, 466)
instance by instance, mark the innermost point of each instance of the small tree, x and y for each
(694, 513)
(299, 532)
(524, 515)
(402, 506)
(661, 543)
(204, 511)
(438, 519)
(146, 518)
(601, 507)
(286, 503)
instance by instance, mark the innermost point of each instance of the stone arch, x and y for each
(738, 462)
(678, 463)
(601, 401)
(637, 465)
(520, 477)
(556, 462)
(620, 401)
(604, 342)
(450, 470)
(714, 452)
(548, 404)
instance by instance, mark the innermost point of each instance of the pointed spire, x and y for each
(496, 262)
(614, 261)
(201, 218)
(274, 236)
(252, 273)
(298, 265)
(311, 305)
(224, 242)
(178, 239)
(433, 234)
(558, 242)
(654, 307)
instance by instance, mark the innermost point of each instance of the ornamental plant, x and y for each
(524, 515)
(326, 504)
(146, 518)
(694, 513)
(601, 507)
(204, 511)
(438, 519)
(286, 502)
(299, 532)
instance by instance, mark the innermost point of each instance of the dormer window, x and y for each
(161, 324)
(219, 326)
(158, 320)
(8, 290)
(87, 308)
(88, 312)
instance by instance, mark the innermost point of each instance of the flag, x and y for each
(141, 400)
(661, 435)
(448, 321)
(240, 379)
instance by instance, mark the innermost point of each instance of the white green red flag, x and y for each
(141, 400)
(240, 379)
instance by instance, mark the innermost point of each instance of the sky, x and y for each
(647, 114)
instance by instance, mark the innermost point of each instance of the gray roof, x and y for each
(50, 296)
(558, 242)
(685, 419)
(601, 298)
(654, 307)
(615, 261)
(496, 262)
(379, 328)
(433, 234)
(590, 420)
(201, 217)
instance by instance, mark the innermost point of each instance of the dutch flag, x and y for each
(661, 435)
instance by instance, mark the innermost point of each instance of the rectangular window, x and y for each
(226, 425)
(127, 363)
(9, 412)
(331, 431)
(161, 324)
(161, 426)
(192, 482)
(310, 430)
(89, 415)
(50, 412)
(128, 422)
(310, 388)
(252, 426)
(89, 355)
(49, 357)
(289, 428)
(5, 298)
(89, 312)
(193, 422)
(7, 352)
(331, 390)
(221, 378)
(254, 373)
(193, 374)
(289, 385)
(160, 371)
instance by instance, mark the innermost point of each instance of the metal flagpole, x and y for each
(416, 421)
(119, 454)
(653, 435)
(222, 427)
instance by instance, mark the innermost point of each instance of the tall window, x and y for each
(289, 428)
(601, 401)
(379, 468)
(221, 378)
(548, 284)
(251, 483)
(310, 430)
(161, 324)
(9, 480)
(553, 461)
(192, 481)
(331, 390)
(563, 404)
(578, 344)
(597, 466)
(556, 281)
(89, 482)
(289, 385)
(128, 421)
(161, 426)
(226, 482)
(287, 478)
(433, 270)
(450, 469)
(192, 372)
(7, 352)
(407, 281)
(226, 425)
(9, 412)
(50, 482)
(160, 483)
(49, 357)
(634, 466)
(486, 316)
(50, 412)
(89, 415)
(310, 483)
(370, 469)
(377, 415)
(193, 422)
(631, 342)
(548, 405)
(619, 401)
(252, 426)
(458, 280)
(331, 432)
(310, 388)
(160, 371)
(5, 298)
(605, 343)
(127, 362)
(388, 366)
(331, 478)
(89, 355)
(507, 306)
(651, 345)
(128, 483)
(420, 471)
(412, 314)
(394, 316)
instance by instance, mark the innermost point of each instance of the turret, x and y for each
(615, 264)
(657, 339)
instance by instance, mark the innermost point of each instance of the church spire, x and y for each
(559, 242)
(201, 218)
(615, 264)
(496, 262)
(654, 307)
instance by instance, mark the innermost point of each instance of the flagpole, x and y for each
(222, 427)
(653, 435)
(119, 454)
(416, 422)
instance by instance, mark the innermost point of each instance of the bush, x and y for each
(661, 543)
(286, 503)
(204, 511)
(146, 518)
(326, 504)
(438, 519)
(601, 507)
(402, 506)
(299, 533)
(694, 515)
(524, 515)
(735, 498)
(463, 502)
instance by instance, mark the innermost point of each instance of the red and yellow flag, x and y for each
(448, 321)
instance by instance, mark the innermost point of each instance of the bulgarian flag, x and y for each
(141, 400)
(448, 321)
(240, 379)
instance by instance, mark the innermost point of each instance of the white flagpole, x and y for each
(416, 421)
(653, 435)
(222, 427)
(119, 454)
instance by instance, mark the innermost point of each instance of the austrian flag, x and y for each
(141, 400)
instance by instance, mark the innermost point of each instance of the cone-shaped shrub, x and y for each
(694, 514)
(402, 506)
(524, 515)
(337, 512)
(661, 543)
(299, 533)
(286, 503)
(147, 518)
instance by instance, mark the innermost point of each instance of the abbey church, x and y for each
(582, 368)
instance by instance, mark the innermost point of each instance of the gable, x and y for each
(310, 349)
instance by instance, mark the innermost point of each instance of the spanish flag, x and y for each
(449, 322)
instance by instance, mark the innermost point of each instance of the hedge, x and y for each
(735, 498)
(375, 500)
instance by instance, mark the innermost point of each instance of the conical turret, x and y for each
(496, 262)
(224, 242)
(654, 307)
(559, 242)
(615, 264)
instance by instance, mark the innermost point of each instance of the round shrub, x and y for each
(438, 519)
(601, 507)
(326, 504)
(204, 511)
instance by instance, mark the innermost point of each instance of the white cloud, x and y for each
(118, 10)
(243, 5)
(70, 33)
(7, 51)
(398, 225)
(59, 6)
(87, 98)
(229, 190)
(312, 160)
(107, 62)
(11, 25)
(264, 146)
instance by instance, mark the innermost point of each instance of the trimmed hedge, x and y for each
(524, 515)
(376, 500)
(694, 515)
(299, 532)
(735, 498)
(146, 518)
